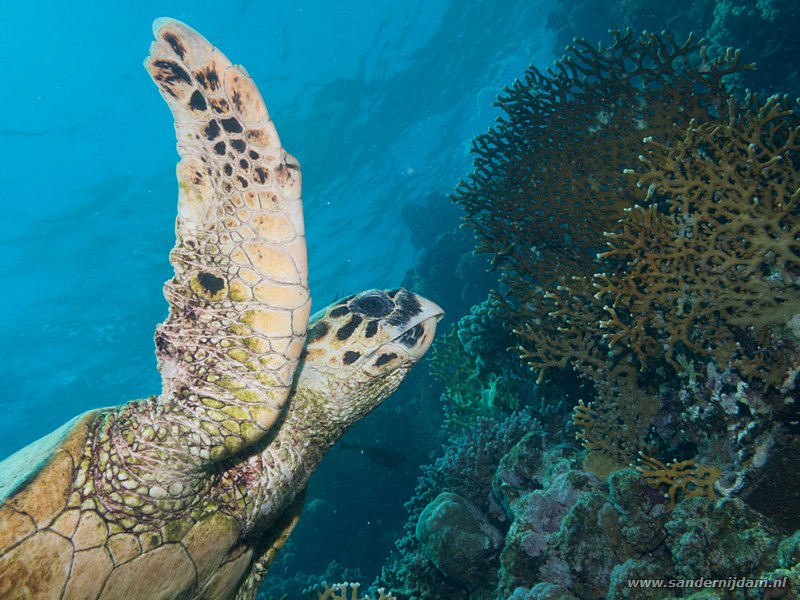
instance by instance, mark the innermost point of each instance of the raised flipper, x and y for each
(239, 301)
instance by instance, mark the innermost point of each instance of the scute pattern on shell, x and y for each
(56, 540)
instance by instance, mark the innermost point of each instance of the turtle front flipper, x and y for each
(239, 301)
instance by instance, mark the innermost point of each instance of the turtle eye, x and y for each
(372, 305)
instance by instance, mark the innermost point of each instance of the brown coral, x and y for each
(549, 178)
(625, 270)
(559, 328)
(692, 480)
(717, 267)
(614, 428)
(338, 591)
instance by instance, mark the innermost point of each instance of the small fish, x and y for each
(377, 454)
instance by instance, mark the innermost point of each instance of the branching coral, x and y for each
(614, 430)
(463, 398)
(625, 270)
(338, 591)
(549, 179)
(692, 480)
(762, 28)
(558, 328)
(721, 265)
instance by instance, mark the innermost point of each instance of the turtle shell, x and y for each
(56, 543)
(36, 524)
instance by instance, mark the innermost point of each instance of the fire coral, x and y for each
(642, 218)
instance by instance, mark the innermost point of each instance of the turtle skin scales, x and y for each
(189, 494)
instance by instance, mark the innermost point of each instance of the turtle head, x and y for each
(359, 349)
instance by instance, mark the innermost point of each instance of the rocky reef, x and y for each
(550, 529)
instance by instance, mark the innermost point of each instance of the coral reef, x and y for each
(537, 517)
(480, 372)
(645, 224)
(614, 428)
(568, 534)
(338, 591)
(548, 183)
(719, 539)
(788, 561)
(284, 583)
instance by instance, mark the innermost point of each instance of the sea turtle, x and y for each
(190, 494)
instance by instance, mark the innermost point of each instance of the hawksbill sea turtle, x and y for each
(190, 494)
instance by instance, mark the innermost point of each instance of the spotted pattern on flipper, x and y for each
(239, 300)
(152, 500)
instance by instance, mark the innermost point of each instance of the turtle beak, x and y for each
(417, 333)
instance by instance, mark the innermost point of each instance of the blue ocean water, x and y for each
(378, 100)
